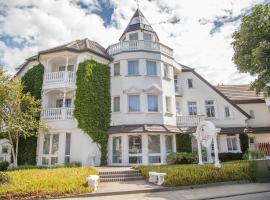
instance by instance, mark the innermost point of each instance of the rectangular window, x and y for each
(5, 149)
(116, 69)
(134, 103)
(147, 37)
(154, 148)
(133, 36)
(168, 104)
(133, 68)
(192, 108)
(232, 143)
(210, 108)
(169, 143)
(166, 70)
(117, 150)
(227, 112)
(68, 103)
(116, 104)
(55, 144)
(50, 149)
(152, 103)
(252, 114)
(61, 68)
(46, 144)
(59, 103)
(135, 149)
(190, 83)
(178, 109)
(151, 68)
(70, 68)
(67, 148)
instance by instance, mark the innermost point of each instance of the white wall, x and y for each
(261, 113)
(202, 92)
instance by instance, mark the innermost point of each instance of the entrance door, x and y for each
(117, 150)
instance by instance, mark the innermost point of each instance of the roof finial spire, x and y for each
(138, 4)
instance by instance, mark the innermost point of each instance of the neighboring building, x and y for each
(152, 96)
(258, 126)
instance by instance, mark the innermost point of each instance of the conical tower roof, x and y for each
(138, 22)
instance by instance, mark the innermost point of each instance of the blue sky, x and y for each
(198, 31)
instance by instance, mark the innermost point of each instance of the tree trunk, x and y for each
(16, 153)
(12, 148)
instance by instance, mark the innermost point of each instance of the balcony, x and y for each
(135, 45)
(57, 113)
(189, 120)
(60, 77)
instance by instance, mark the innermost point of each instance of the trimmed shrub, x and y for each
(181, 158)
(4, 165)
(183, 143)
(244, 142)
(3, 178)
(182, 175)
(224, 157)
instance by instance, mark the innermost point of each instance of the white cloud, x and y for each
(47, 23)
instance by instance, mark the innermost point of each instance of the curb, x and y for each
(165, 189)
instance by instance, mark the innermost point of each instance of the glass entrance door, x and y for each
(117, 150)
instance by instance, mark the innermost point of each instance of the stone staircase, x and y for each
(119, 176)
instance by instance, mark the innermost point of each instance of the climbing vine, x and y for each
(183, 143)
(244, 143)
(32, 83)
(93, 103)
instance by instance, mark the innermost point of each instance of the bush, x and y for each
(244, 142)
(181, 158)
(254, 154)
(3, 178)
(41, 183)
(183, 143)
(182, 175)
(4, 165)
(224, 157)
(73, 164)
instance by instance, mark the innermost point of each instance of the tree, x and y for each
(19, 112)
(93, 103)
(252, 46)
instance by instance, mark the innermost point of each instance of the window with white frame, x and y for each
(67, 148)
(154, 149)
(190, 83)
(133, 36)
(210, 108)
(178, 108)
(227, 111)
(117, 150)
(166, 70)
(133, 68)
(116, 69)
(135, 149)
(192, 108)
(59, 103)
(151, 67)
(169, 143)
(50, 149)
(116, 104)
(133, 103)
(147, 37)
(168, 104)
(152, 101)
(252, 114)
(232, 143)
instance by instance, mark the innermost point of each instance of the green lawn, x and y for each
(46, 182)
(193, 174)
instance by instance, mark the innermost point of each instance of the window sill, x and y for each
(135, 112)
(133, 75)
(155, 76)
(118, 112)
(152, 112)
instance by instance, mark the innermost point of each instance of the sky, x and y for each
(199, 31)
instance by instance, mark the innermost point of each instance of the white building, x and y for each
(153, 98)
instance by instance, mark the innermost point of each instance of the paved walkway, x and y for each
(229, 192)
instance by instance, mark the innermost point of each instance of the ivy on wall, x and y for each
(183, 143)
(244, 142)
(93, 103)
(32, 83)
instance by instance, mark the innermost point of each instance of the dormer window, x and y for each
(133, 36)
(147, 37)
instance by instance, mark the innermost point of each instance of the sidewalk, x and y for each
(211, 192)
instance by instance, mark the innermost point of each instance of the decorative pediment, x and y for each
(155, 89)
(132, 90)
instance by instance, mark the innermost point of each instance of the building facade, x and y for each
(153, 98)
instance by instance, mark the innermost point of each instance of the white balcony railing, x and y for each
(61, 76)
(139, 45)
(57, 113)
(189, 120)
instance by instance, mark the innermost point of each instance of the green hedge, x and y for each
(183, 143)
(181, 158)
(181, 175)
(244, 142)
(224, 157)
(4, 165)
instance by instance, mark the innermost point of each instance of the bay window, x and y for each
(133, 103)
(116, 69)
(135, 149)
(133, 68)
(154, 149)
(152, 103)
(151, 68)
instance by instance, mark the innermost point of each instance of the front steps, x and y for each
(119, 176)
